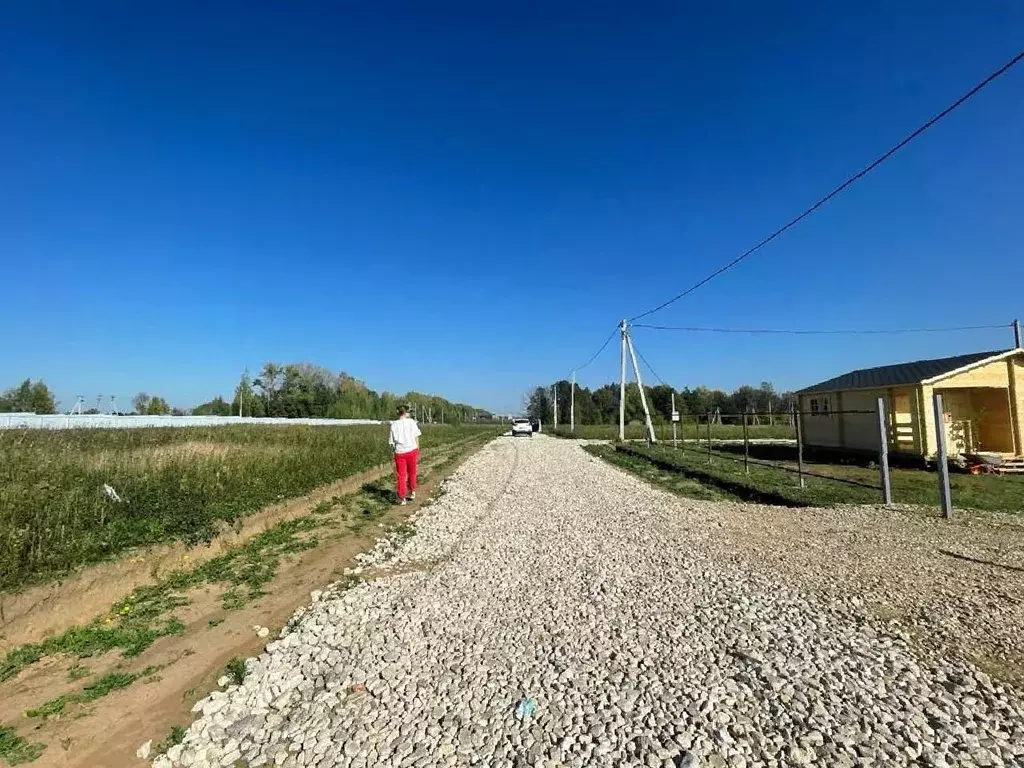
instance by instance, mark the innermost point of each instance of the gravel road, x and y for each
(554, 611)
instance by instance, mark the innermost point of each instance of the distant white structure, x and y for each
(116, 421)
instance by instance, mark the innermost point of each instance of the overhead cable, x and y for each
(855, 177)
(600, 350)
(820, 332)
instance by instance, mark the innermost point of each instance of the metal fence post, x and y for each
(797, 417)
(709, 437)
(883, 452)
(943, 458)
(746, 447)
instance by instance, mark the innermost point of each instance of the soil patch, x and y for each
(49, 608)
(183, 668)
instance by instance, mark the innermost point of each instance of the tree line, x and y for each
(601, 405)
(295, 390)
(304, 390)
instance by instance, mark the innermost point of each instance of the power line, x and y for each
(649, 367)
(855, 177)
(821, 332)
(599, 351)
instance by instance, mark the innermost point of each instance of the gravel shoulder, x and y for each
(552, 610)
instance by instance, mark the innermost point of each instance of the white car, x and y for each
(522, 427)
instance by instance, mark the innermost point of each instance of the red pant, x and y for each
(405, 466)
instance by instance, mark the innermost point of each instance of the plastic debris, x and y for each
(525, 708)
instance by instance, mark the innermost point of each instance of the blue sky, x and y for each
(464, 198)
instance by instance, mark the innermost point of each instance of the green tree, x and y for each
(267, 382)
(141, 403)
(29, 396)
(539, 406)
(216, 407)
(158, 407)
(245, 397)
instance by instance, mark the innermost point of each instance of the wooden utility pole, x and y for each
(622, 383)
(643, 396)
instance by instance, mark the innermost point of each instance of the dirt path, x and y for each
(107, 732)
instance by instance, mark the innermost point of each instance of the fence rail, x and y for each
(117, 421)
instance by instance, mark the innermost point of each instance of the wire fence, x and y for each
(848, 448)
(791, 450)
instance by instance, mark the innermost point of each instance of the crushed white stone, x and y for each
(547, 575)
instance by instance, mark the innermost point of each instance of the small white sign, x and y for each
(675, 415)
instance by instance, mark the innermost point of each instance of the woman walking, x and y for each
(405, 440)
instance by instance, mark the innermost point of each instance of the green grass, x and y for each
(686, 430)
(112, 681)
(14, 750)
(677, 482)
(175, 484)
(135, 622)
(664, 465)
(77, 672)
(235, 669)
(176, 736)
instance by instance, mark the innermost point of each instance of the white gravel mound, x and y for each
(553, 611)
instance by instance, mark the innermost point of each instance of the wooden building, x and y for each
(983, 402)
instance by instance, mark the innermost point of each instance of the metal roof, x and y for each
(899, 374)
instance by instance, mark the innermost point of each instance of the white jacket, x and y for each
(404, 432)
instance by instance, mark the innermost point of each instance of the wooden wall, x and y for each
(1015, 372)
(992, 375)
(992, 395)
(820, 430)
(859, 431)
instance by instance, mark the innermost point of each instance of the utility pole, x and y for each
(1016, 334)
(572, 404)
(622, 384)
(675, 415)
(643, 397)
(554, 390)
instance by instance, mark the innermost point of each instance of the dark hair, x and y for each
(403, 410)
